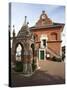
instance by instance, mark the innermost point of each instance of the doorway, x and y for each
(42, 54)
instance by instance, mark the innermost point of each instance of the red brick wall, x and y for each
(55, 46)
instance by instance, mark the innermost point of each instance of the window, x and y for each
(36, 37)
(54, 36)
(44, 42)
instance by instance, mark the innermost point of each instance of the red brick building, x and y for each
(47, 36)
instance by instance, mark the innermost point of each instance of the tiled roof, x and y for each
(48, 26)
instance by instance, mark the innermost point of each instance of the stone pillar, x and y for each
(29, 68)
(25, 63)
(29, 63)
(24, 67)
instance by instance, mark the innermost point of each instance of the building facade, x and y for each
(40, 42)
(47, 37)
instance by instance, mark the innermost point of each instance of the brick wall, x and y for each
(53, 44)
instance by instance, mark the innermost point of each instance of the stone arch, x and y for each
(32, 46)
(22, 50)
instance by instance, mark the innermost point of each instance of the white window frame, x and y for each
(43, 37)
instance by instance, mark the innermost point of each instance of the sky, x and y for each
(33, 11)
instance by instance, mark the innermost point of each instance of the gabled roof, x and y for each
(45, 22)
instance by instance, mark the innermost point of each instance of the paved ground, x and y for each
(49, 73)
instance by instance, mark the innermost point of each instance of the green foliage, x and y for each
(59, 59)
(18, 66)
(56, 59)
(63, 52)
(63, 56)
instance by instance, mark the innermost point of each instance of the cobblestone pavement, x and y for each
(50, 73)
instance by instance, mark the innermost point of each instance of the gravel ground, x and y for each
(50, 73)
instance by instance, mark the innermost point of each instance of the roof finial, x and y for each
(43, 12)
(25, 21)
(13, 27)
(13, 31)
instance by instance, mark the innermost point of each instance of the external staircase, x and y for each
(53, 53)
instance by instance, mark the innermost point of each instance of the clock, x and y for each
(43, 16)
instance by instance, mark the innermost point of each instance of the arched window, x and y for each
(53, 36)
(18, 52)
(32, 46)
(36, 37)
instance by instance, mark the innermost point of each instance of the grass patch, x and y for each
(18, 67)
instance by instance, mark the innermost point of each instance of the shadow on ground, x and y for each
(37, 79)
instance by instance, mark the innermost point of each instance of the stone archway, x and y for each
(20, 54)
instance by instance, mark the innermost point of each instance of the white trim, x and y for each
(43, 37)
